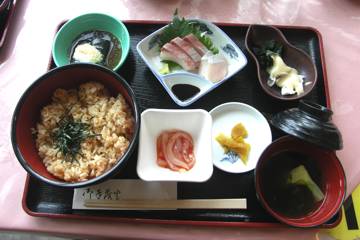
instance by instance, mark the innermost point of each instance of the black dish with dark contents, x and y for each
(105, 42)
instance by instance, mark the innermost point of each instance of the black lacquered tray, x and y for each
(41, 199)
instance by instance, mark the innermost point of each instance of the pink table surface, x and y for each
(25, 56)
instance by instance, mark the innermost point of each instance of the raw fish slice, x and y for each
(192, 162)
(171, 155)
(188, 49)
(194, 41)
(175, 150)
(161, 161)
(173, 53)
(164, 145)
(183, 149)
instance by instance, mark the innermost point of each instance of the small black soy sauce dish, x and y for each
(310, 122)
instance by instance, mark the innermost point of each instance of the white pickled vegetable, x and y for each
(279, 68)
(285, 77)
(291, 83)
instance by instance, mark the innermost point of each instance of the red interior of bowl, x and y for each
(39, 94)
(332, 180)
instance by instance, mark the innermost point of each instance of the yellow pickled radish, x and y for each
(239, 146)
(239, 132)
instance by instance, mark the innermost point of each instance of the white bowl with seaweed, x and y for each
(190, 58)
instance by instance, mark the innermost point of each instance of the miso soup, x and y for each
(292, 200)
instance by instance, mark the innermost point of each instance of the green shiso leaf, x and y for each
(180, 27)
(207, 42)
(202, 26)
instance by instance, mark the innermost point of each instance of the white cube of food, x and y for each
(213, 67)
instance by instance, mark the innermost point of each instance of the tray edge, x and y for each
(189, 222)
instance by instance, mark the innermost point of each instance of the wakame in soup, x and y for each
(292, 200)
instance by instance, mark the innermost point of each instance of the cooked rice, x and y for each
(111, 118)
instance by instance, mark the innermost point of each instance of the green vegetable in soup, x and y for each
(300, 176)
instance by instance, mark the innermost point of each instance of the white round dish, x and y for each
(225, 117)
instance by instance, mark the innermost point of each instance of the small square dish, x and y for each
(209, 56)
(195, 122)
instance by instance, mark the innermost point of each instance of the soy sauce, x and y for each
(292, 200)
(105, 42)
(184, 91)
